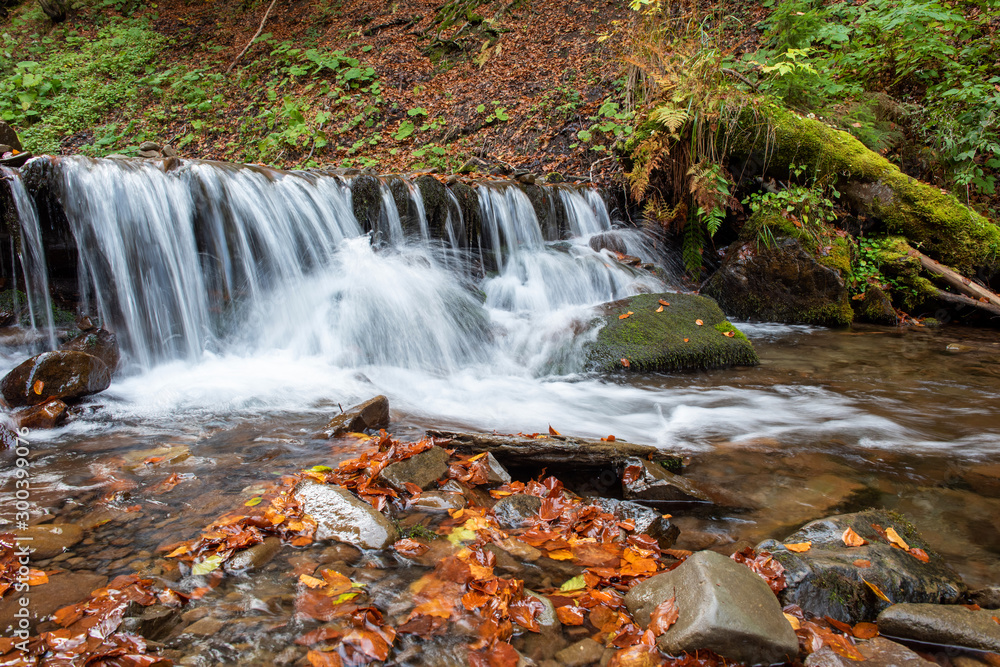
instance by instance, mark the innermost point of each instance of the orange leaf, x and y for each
(799, 547)
(665, 615)
(698, 322)
(686, 339)
(664, 303)
(311, 582)
(552, 431)
(410, 548)
(865, 630)
(570, 615)
(561, 554)
(878, 591)
(895, 539)
(840, 625)
(862, 563)
(37, 577)
(38, 387)
(639, 655)
(337, 584)
(920, 555)
(842, 645)
(852, 539)
(625, 362)
(995, 620)
(729, 334)
(622, 317)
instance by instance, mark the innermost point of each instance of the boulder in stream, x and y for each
(423, 469)
(47, 415)
(877, 652)
(690, 333)
(371, 415)
(723, 606)
(646, 520)
(951, 625)
(99, 342)
(836, 580)
(342, 516)
(646, 480)
(65, 374)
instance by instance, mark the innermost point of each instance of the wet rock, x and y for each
(984, 479)
(608, 241)
(366, 200)
(61, 374)
(424, 470)
(435, 200)
(372, 415)
(954, 625)
(64, 588)
(169, 151)
(987, 598)
(439, 501)
(516, 510)
(496, 474)
(875, 307)
(646, 520)
(159, 456)
(878, 652)
(645, 480)
(825, 581)
(723, 607)
(49, 540)
(149, 154)
(205, 627)
(149, 146)
(256, 556)
(548, 619)
(47, 415)
(99, 342)
(9, 137)
(342, 516)
(669, 340)
(153, 623)
(584, 652)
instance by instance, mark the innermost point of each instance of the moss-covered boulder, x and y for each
(436, 204)
(943, 227)
(874, 306)
(366, 201)
(671, 339)
(836, 580)
(779, 272)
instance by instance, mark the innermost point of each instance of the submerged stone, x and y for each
(953, 625)
(61, 374)
(423, 469)
(49, 540)
(877, 652)
(256, 556)
(646, 480)
(832, 579)
(669, 340)
(724, 607)
(516, 510)
(371, 415)
(646, 520)
(342, 516)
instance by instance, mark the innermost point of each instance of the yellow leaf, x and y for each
(311, 582)
(561, 554)
(799, 547)
(894, 538)
(552, 431)
(878, 591)
(794, 622)
(210, 564)
(253, 502)
(660, 309)
(622, 317)
(178, 552)
(575, 584)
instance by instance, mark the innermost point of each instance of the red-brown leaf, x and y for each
(664, 615)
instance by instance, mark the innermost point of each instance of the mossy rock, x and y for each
(670, 340)
(366, 201)
(932, 219)
(435, 199)
(874, 306)
(801, 278)
(825, 581)
(905, 284)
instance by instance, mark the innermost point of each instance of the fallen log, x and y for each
(523, 450)
(956, 280)
(963, 300)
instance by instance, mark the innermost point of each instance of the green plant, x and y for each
(807, 207)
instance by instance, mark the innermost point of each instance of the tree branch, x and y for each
(254, 38)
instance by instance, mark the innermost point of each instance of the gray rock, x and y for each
(424, 470)
(646, 520)
(61, 374)
(373, 415)
(987, 598)
(342, 516)
(723, 607)
(99, 342)
(150, 154)
(205, 627)
(584, 652)
(9, 137)
(955, 625)
(439, 501)
(878, 652)
(153, 623)
(254, 557)
(548, 619)
(608, 241)
(49, 540)
(496, 474)
(63, 589)
(515, 511)
(149, 146)
(825, 581)
(169, 151)
(645, 480)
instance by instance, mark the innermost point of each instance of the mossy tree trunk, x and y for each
(932, 220)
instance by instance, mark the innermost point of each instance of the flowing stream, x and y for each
(251, 306)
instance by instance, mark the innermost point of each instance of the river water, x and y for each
(229, 393)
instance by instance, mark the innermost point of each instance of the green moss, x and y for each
(726, 327)
(935, 221)
(366, 201)
(668, 340)
(904, 283)
(821, 240)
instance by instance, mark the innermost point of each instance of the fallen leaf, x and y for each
(878, 591)
(311, 582)
(625, 362)
(843, 646)
(729, 334)
(920, 555)
(324, 658)
(37, 577)
(855, 124)
(664, 615)
(410, 548)
(799, 547)
(686, 339)
(639, 655)
(865, 630)
(664, 303)
(253, 502)
(570, 615)
(575, 584)
(38, 387)
(610, 438)
(840, 625)
(660, 309)
(794, 622)
(210, 564)
(852, 539)
(972, 607)
(895, 539)
(622, 317)
(995, 620)
(862, 563)
(698, 322)
(552, 431)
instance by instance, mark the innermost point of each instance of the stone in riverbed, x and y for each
(669, 340)
(47, 415)
(341, 516)
(423, 469)
(878, 652)
(825, 581)
(372, 415)
(50, 539)
(64, 588)
(99, 342)
(254, 557)
(723, 607)
(646, 480)
(953, 625)
(646, 520)
(516, 510)
(61, 374)
(584, 652)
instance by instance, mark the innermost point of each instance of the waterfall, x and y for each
(184, 258)
(32, 256)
